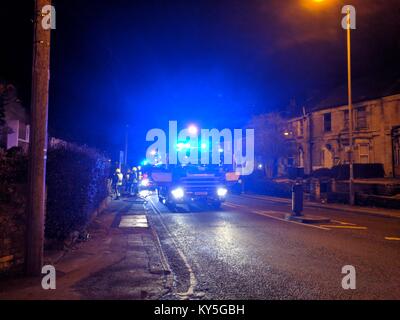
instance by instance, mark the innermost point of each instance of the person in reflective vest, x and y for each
(118, 179)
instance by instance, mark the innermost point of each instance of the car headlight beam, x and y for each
(221, 192)
(145, 182)
(178, 193)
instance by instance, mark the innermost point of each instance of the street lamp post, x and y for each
(350, 107)
(350, 101)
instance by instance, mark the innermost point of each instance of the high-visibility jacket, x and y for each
(120, 177)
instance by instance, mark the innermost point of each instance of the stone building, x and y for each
(322, 134)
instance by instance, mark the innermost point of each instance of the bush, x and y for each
(76, 183)
(268, 187)
(76, 186)
(361, 171)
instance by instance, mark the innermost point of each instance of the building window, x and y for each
(364, 153)
(346, 119)
(23, 132)
(301, 158)
(362, 118)
(398, 157)
(327, 122)
(300, 128)
(322, 158)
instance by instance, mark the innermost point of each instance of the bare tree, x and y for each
(270, 142)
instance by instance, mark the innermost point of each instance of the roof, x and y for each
(363, 90)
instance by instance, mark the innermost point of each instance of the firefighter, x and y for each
(134, 184)
(117, 183)
(128, 181)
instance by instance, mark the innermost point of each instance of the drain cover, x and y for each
(133, 221)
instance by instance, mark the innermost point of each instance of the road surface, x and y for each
(247, 250)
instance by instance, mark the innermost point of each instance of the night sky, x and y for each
(214, 63)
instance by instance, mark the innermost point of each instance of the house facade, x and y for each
(15, 132)
(322, 135)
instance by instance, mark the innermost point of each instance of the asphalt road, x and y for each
(247, 250)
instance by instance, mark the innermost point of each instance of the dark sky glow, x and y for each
(215, 62)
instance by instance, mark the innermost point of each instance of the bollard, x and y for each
(297, 199)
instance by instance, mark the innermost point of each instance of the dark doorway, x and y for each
(396, 151)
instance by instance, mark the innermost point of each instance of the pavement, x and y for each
(121, 260)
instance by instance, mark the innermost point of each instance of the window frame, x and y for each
(346, 119)
(360, 155)
(324, 117)
(365, 118)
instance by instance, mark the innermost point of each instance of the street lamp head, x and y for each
(316, 5)
(193, 129)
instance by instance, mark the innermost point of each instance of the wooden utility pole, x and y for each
(38, 143)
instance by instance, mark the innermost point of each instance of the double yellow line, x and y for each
(392, 238)
(344, 227)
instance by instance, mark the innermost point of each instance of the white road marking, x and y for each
(192, 278)
(262, 213)
(265, 214)
(344, 223)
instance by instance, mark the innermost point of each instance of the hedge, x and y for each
(13, 173)
(361, 171)
(13, 190)
(76, 186)
(267, 187)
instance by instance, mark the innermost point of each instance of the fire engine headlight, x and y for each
(145, 182)
(178, 193)
(221, 192)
